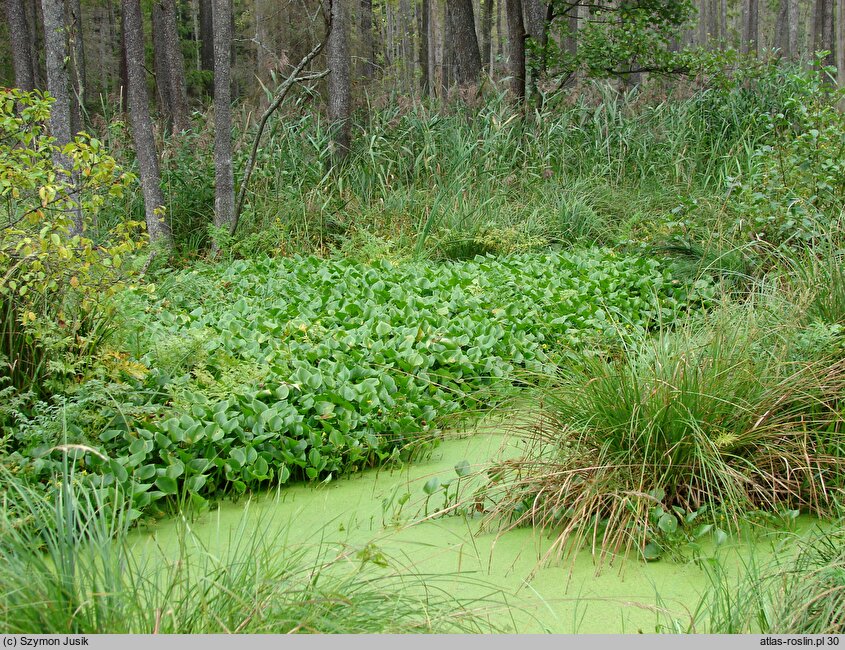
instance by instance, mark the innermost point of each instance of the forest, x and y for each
(422, 316)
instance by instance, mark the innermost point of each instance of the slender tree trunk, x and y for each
(58, 85)
(141, 123)
(824, 30)
(425, 19)
(206, 40)
(339, 87)
(460, 32)
(534, 21)
(162, 79)
(174, 67)
(487, 33)
(723, 23)
(77, 49)
(368, 53)
(35, 21)
(794, 22)
(500, 33)
(224, 181)
(516, 49)
(782, 29)
(406, 45)
(21, 42)
(750, 27)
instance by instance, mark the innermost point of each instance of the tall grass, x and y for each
(804, 594)
(68, 564)
(419, 174)
(709, 419)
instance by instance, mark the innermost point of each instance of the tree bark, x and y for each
(21, 42)
(339, 87)
(516, 49)
(77, 48)
(58, 85)
(486, 34)
(460, 34)
(140, 122)
(206, 40)
(425, 19)
(824, 30)
(750, 27)
(794, 21)
(162, 79)
(224, 181)
(174, 67)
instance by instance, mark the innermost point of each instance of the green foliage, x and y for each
(269, 371)
(620, 37)
(795, 189)
(53, 279)
(703, 424)
(70, 566)
(801, 595)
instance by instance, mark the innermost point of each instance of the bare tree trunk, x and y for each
(207, 39)
(782, 29)
(141, 123)
(174, 67)
(723, 23)
(35, 21)
(77, 48)
(339, 86)
(824, 30)
(162, 79)
(224, 181)
(516, 49)
(460, 32)
(794, 21)
(750, 27)
(486, 33)
(425, 19)
(570, 43)
(367, 67)
(534, 21)
(21, 42)
(58, 85)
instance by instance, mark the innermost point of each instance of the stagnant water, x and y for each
(629, 597)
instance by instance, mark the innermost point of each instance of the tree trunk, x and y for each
(77, 49)
(750, 31)
(35, 20)
(339, 88)
(460, 33)
(782, 29)
(824, 30)
(174, 67)
(425, 19)
(486, 34)
(141, 123)
(570, 43)
(368, 53)
(224, 181)
(162, 79)
(516, 49)
(534, 22)
(58, 85)
(206, 40)
(794, 22)
(21, 42)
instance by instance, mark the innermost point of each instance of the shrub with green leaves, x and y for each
(53, 279)
(276, 370)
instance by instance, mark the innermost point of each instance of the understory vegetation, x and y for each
(660, 275)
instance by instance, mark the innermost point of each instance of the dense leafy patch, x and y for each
(304, 368)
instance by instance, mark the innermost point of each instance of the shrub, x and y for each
(53, 279)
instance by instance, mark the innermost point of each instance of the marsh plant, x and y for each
(692, 428)
(69, 564)
(804, 594)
